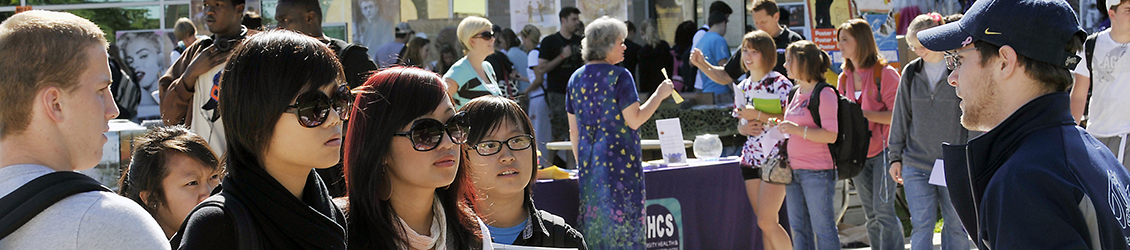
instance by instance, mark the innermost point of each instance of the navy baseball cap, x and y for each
(1037, 29)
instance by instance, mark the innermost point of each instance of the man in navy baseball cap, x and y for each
(1034, 180)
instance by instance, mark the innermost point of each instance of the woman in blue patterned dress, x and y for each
(604, 113)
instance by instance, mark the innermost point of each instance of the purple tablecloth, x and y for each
(703, 207)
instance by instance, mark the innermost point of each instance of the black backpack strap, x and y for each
(1089, 51)
(814, 102)
(248, 236)
(1089, 47)
(27, 201)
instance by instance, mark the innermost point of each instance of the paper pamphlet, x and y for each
(938, 175)
(771, 136)
(671, 140)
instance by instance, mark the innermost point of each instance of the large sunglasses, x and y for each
(313, 107)
(426, 133)
(486, 35)
(516, 143)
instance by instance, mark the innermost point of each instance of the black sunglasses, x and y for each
(486, 35)
(518, 142)
(313, 107)
(426, 133)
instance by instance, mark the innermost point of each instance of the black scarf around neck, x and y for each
(282, 220)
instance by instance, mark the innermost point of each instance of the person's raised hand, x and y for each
(697, 59)
(567, 51)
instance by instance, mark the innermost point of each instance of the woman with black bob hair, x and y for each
(282, 96)
(405, 186)
(500, 155)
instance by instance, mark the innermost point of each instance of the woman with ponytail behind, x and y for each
(809, 196)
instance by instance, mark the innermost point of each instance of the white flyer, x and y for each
(938, 175)
(671, 140)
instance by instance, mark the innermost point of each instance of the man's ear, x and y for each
(777, 16)
(1006, 62)
(239, 9)
(312, 18)
(51, 99)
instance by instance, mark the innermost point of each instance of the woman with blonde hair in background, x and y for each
(472, 76)
(538, 109)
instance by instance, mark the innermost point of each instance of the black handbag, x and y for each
(776, 169)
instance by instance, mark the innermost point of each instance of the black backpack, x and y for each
(27, 201)
(849, 152)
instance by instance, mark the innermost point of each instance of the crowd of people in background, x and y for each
(289, 139)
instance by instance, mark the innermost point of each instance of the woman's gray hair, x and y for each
(600, 36)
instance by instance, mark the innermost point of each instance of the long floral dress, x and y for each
(611, 175)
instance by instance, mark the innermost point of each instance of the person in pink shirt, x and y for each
(864, 66)
(810, 194)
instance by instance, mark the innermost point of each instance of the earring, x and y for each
(384, 189)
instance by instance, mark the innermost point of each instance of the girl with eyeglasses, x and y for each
(500, 156)
(406, 187)
(472, 76)
(284, 100)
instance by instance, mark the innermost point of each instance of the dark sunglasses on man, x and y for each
(313, 107)
(426, 133)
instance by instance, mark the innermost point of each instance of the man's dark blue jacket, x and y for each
(1037, 181)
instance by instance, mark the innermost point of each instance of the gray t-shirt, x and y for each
(91, 220)
(387, 54)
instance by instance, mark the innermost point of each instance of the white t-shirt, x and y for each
(533, 61)
(90, 220)
(694, 42)
(202, 124)
(1110, 86)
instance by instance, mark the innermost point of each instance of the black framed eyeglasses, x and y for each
(518, 142)
(486, 35)
(313, 107)
(426, 133)
(953, 59)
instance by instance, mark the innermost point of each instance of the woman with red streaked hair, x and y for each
(402, 151)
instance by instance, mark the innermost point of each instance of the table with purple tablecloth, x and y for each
(701, 206)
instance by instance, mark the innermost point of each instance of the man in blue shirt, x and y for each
(713, 46)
